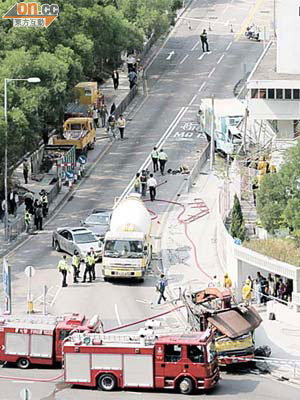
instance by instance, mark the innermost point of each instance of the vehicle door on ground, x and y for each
(196, 358)
(169, 363)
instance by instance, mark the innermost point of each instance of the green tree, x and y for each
(237, 228)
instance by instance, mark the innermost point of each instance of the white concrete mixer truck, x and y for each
(127, 245)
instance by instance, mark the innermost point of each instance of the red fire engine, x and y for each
(180, 361)
(38, 340)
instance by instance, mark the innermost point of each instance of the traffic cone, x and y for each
(70, 183)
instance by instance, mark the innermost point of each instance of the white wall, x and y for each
(287, 30)
(274, 109)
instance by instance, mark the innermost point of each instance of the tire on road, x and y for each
(23, 363)
(107, 382)
(186, 385)
(56, 246)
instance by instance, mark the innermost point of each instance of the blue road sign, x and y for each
(82, 159)
(69, 175)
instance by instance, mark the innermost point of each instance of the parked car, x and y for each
(80, 239)
(98, 222)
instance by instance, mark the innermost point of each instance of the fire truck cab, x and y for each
(180, 361)
(39, 340)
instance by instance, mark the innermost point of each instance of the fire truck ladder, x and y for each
(97, 338)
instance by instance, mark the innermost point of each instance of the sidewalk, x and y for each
(187, 266)
(102, 144)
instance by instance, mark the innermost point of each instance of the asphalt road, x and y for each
(179, 76)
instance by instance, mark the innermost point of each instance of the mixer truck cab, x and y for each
(127, 245)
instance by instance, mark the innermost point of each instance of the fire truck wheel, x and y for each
(107, 382)
(23, 363)
(186, 386)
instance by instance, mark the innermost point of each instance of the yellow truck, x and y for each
(88, 93)
(80, 132)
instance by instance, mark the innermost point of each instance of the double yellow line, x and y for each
(247, 21)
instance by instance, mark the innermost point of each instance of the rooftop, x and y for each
(266, 68)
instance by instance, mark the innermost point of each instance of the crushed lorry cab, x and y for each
(127, 245)
(79, 132)
(233, 324)
(39, 339)
(180, 361)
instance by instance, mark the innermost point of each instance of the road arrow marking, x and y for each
(170, 55)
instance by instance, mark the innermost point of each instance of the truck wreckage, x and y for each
(233, 323)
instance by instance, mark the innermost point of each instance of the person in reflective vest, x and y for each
(154, 157)
(63, 268)
(27, 219)
(247, 292)
(89, 259)
(163, 158)
(44, 202)
(76, 266)
(137, 183)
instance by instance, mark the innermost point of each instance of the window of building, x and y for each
(288, 94)
(254, 93)
(262, 93)
(296, 94)
(279, 94)
(271, 93)
(173, 352)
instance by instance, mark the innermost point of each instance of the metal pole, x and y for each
(274, 18)
(6, 234)
(212, 134)
(45, 289)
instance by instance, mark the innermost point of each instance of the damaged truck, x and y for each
(234, 324)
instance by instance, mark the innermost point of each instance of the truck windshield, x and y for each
(123, 249)
(211, 352)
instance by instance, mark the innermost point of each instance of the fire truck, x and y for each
(180, 361)
(39, 340)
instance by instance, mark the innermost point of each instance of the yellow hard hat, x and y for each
(225, 275)
(248, 281)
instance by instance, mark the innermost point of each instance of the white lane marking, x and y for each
(225, 9)
(211, 72)
(161, 141)
(229, 45)
(195, 45)
(55, 297)
(192, 101)
(170, 55)
(202, 86)
(117, 315)
(183, 60)
(220, 59)
(202, 55)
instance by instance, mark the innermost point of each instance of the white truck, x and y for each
(228, 114)
(127, 245)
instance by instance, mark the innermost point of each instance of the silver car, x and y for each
(80, 239)
(98, 222)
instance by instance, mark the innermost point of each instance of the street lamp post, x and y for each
(29, 80)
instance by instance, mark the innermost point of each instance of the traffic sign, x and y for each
(29, 271)
(82, 159)
(25, 394)
(69, 174)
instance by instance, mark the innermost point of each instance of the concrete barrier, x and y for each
(197, 167)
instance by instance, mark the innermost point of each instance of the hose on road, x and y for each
(18, 378)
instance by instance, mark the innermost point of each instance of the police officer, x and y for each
(76, 266)
(93, 265)
(88, 267)
(63, 268)
(154, 157)
(144, 180)
(162, 158)
(27, 219)
(204, 42)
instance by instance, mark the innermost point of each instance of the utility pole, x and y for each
(212, 133)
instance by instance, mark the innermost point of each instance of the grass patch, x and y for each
(281, 249)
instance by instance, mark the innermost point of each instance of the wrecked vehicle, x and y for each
(233, 323)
